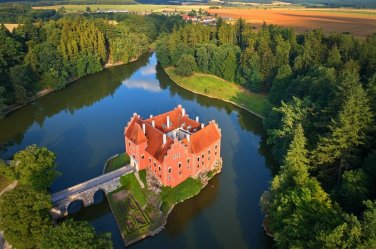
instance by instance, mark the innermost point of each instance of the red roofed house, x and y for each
(172, 146)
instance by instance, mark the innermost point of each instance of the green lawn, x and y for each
(130, 183)
(117, 162)
(142, 174)
(184, 190)
(4, 182)
(216, 87)
(130, 7)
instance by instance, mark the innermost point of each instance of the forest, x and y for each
(49, 54)
(25, 218)
(321, 126)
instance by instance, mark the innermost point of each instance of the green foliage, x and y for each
(171, 196)
(74, 234)
(354, 189)
(117, 162)
(24, 216)
(34, 167)
(130, 183)
(186, 65)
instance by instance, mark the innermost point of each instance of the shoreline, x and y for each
(11, 108)
(164, 218)
(213, 97)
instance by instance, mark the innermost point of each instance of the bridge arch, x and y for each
(86, 191)
(99, 195)
(74, 206)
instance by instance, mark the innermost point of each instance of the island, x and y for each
(173, 157)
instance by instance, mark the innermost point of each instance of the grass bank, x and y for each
(130, 183)
(215, 87)
(117, 162)
(185, 190)
(142, 212)
(4, 182)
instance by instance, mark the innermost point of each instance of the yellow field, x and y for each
(11, 26)
(130, 7)
(358, 22)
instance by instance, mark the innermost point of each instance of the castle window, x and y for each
(142, 156)
(216, 146)
(129, 143)
(208, 158)
(202, 162)
(188, 160)
(159, 168)
(155, 165)
(188, 168)
(179, 165)
(179, 172)
(198, 159)
(209, 152)
(202, 155)
(149, 160)
(169, 170)
(215, 153)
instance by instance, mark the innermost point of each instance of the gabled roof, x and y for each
(200, 138)
(204, 138)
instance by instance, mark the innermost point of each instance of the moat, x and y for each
(84, 124)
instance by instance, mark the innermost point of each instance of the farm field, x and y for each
(358, 22)
(130, 7)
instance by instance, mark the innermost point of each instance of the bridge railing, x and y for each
(62, 194)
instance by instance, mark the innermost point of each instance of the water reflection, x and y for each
(83, 124)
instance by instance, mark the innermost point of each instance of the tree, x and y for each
(349, 128)
(300, 214)
(186, 65)
(74, 234)
(88, 9)
(34, 167)
(353, 190)
(2, 101)
(369, 225)
(24, 216)
(280, 134)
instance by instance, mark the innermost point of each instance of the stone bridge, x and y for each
(85, 191)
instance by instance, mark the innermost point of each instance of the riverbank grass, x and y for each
(4, 182)
(130, 183)
(215, 87)
(117, 162)
(142, 212)
(185, 190)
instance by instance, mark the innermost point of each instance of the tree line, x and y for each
(25, 218)
(41, 55)
(320, 128)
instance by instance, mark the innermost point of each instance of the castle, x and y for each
(172, 146)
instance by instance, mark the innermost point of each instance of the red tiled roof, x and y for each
(137, 134)
(199, 140)
(204, 138)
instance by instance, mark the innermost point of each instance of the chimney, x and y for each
(183, 112)
(202, 125)
(188, 137)
(164, 138)
(153, 123)
(168, 122)
(197, 119)
(143, 128)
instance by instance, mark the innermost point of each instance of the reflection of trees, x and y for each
(185, 211)
(90, 213)
(83, 92)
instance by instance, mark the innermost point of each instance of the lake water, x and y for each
(84, 124)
